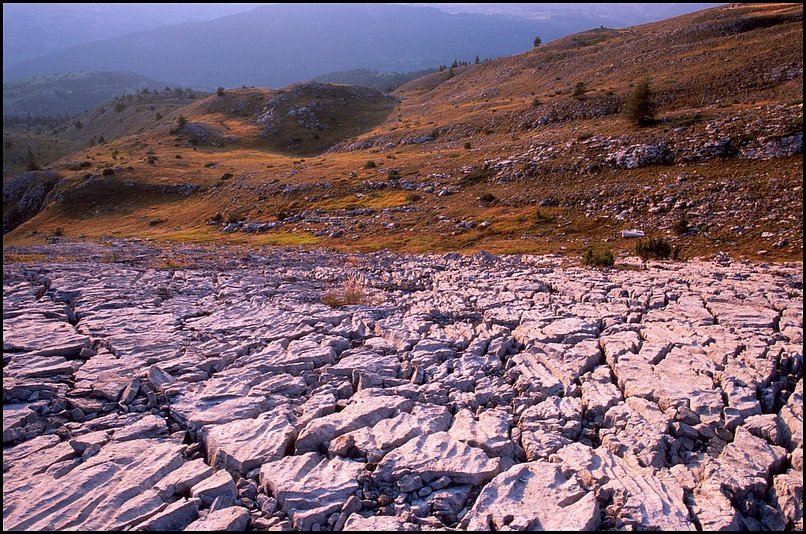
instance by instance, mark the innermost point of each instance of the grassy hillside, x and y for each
(530, 153)
(43, 141)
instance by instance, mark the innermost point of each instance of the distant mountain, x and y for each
(581, 15)
(35, 30)
(278, 44)
(70, 93)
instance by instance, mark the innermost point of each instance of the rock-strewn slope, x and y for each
(472, 393)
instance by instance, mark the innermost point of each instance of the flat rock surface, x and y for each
(476, 392)
(534, 496)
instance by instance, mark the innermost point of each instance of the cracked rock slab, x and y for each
(534, 496)
(244, 444)
(115, 485)
(635, 497)
(367, 409)
(436, 455)
(310, 487)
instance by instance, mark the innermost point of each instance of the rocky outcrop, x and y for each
(24, 196)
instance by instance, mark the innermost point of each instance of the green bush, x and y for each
(487, 198)
(370, 164)
(655, 248)
(598, 258)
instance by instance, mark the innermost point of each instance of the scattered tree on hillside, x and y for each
(181, 121)
(477, 60)
(537, 42)
(640, 108)
(220, 91)
(451, 74)
(454, 64)
(30, 163)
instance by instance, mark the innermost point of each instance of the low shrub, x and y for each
(233, 217)
(598, 258)
(656, 248)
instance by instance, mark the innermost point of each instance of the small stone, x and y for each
(409, 483)
(441, 482)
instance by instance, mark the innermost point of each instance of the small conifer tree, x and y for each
(640, 109)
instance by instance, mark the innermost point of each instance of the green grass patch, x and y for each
(288, 239)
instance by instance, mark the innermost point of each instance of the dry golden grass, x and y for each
(9, 257)
(352, 292)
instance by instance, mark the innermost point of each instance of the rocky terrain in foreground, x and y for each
(473, 393)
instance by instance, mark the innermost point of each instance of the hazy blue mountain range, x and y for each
(34, 30)
(274, 45)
